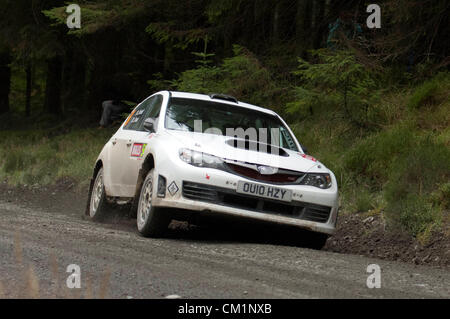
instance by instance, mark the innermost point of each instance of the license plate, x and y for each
(265, 191)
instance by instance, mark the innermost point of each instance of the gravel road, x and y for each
(39, 241)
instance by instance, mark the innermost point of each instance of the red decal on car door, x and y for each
(138, 149)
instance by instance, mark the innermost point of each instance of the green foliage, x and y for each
(158, 83)
(363, 200)
(409, 167)
(426, 92)
(203, 79)
(200, 79)
(414, 214)
(242, 76)
(400, 168)
(204, 56)
(99, 15)
(441, 197)
(29, 157)
(217, 8)
(372, 156)
(164, 32)
(420, 170)
(175, 23)
(338, 78)
(422, 94)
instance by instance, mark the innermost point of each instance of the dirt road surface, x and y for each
(41, 235)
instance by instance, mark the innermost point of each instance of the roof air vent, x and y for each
(223, 97)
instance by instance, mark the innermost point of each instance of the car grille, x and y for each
(227, 197)
(283, 177)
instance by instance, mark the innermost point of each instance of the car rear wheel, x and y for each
(97, 201)
(151, 220)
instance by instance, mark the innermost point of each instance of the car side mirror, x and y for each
(149, 125)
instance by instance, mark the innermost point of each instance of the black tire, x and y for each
(98, 205)
(151, 221)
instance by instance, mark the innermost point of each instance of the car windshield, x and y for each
(224, 119)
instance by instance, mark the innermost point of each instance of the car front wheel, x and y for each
(151, 220)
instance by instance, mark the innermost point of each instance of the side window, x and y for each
(152, 111)
(135, 117)
(144, 110)
(286, 140)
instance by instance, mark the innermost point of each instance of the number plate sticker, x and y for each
(265, 191)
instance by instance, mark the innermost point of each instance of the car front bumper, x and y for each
(307, 203)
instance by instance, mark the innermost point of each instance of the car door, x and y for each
(120, 151)
(138, 141)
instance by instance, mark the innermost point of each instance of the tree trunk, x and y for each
(320, 25)
(53, 86)
(168, 57)
(28, 90)
(303, 26)
(5, 81)
(74, 80)
(78, 83)
(276, 23)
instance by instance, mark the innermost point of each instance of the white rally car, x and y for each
(179, 154)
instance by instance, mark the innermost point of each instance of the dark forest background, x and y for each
(124, 44)
(372, 104)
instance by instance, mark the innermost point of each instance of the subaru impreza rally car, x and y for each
(182, 153)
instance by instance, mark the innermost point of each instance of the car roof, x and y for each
(205, 97)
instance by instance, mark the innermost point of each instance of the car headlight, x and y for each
(200, 159)
(318, 180)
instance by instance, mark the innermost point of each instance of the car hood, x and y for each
(217, 145)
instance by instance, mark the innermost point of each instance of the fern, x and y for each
(336, 79)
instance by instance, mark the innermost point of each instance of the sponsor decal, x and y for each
(173, 188)
(138, 150)
(207, 176)
(143, 149)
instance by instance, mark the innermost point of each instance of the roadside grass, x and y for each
(427, 92)
(37, 157)
(400, 166)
